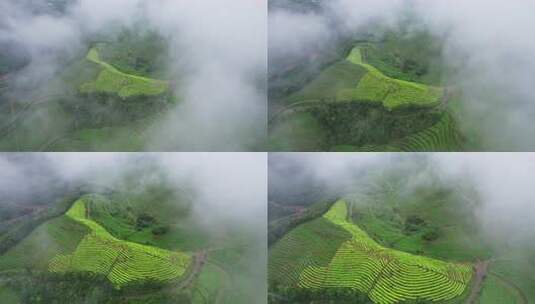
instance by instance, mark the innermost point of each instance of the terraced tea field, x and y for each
(386, 114)
(392, 93)
(441, 137)
(331, 252)
(355, 80)
(111, 80)
(120, 261)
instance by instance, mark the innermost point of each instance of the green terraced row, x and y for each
(392, 93)
(121, 261)
(441, 137)
(386, 275)
(354, 80)
(302, 245)
(111, 80)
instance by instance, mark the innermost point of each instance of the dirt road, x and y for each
(481, 269)
(200, 258)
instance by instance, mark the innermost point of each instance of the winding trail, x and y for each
(200, 258)
(481, 268)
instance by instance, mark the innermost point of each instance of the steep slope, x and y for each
(121, 261)
(314, 258)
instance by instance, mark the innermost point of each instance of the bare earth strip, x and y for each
(481, 269)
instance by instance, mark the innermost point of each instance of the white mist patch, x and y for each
(218, 60)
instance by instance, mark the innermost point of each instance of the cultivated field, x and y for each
(355, 80)
(111, 80)
(331, 252)
(392, 93)
(121, 261)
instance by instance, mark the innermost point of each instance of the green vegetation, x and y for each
(114, 247)
(401, 77)
(8, 296)
(84, 108)
(495, 292)
(15, 234)
(353, 106)
(440, 137)
(137, 51)
(355, 80)
(342, 75)
(414, 57)
(430, 220)
(58, 236)
(121, 261)
(350, 126)
(515, 269)
(298, 132)
(347, 257)
(110, 80)
(393, 93)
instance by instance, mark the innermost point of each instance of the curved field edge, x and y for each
(393, 93)
(111, 80)
(355, 80)
(122, 262)
(358, 262)
(441, 137)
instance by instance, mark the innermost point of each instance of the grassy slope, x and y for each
(344, 81)
(342, 75)
(49, 125)
(518, 268)
(367, 256)
(8, 296)
(392, 93)
(211, 280)
(353, 79)
(495, 292)
(458, 237)
(302, 132)
(441, 137)
(118, 216)
(122, 261)
(57, 236)
(111, 80)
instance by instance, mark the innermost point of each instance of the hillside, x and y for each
(111, 247)
(105, 97)
(343, 256)
(383, 220)
(387, 94)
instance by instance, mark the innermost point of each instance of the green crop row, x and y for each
(442, 136)
(358, 262)
(121, 261)
(392, 93)
(354, 80)
(110, 80)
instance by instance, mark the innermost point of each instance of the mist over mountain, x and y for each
(477, 50)
(213, 65)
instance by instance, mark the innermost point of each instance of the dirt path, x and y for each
(200, 258)
(481, 269)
